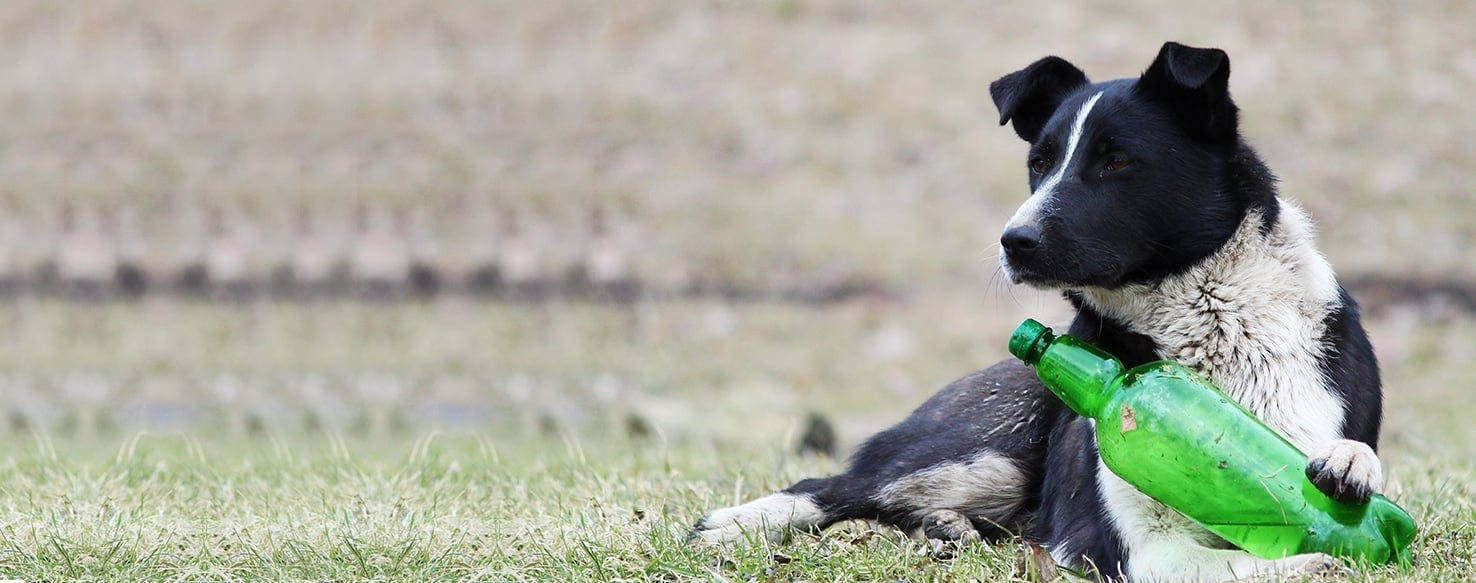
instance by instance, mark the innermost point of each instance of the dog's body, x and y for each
(1165, 232)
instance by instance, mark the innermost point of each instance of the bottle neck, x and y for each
(1074, 370)
(1078, 373)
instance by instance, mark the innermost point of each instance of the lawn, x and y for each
(200, 441)
(171, 507)
(602, 433)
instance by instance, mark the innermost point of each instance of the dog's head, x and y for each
(1131, 180)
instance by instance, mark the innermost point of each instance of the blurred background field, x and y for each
(680, 227)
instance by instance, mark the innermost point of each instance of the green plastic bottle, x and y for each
(1174, 436)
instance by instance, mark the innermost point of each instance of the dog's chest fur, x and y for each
(1252, 317)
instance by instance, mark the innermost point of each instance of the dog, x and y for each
(1163, 229)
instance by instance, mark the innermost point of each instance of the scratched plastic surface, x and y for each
(1174, 436)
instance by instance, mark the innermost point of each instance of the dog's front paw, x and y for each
(1347, 470)
(728, 525)
(723, 526)
(775, 514)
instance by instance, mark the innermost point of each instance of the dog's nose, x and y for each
(1020, 242)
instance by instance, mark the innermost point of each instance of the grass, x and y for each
(466, 507)
(550, 482)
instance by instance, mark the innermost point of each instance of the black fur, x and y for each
(1030, 96)
(952, 425)
(1192, 213)
(1071, 512)
(1193, 85)
(1070, 518)
(1353, 372)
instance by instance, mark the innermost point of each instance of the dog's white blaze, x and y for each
(1251, 317)
(1076, 127)
(1028, 212)
(768, 515)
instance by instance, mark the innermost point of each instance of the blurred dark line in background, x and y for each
(90, 254)
(384, 255)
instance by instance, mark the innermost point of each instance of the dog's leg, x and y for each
(951, 500)
(1347, 470)
(962, 463)
(1176, 560)
(1163, 545)
(798, 507)
(956, 499)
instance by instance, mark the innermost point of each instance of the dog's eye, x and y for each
(1116, 163)
(1039, 165)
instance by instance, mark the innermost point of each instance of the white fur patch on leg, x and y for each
(988, 486)
(771, 514)
(1347, 470)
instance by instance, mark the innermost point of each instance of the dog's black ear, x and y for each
(1194, 84)
(1029, 96)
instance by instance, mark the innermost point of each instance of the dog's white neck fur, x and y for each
(1251, 317)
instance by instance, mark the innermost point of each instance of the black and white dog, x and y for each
(1164, 231)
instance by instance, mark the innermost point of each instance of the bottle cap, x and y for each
(1030, 341)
